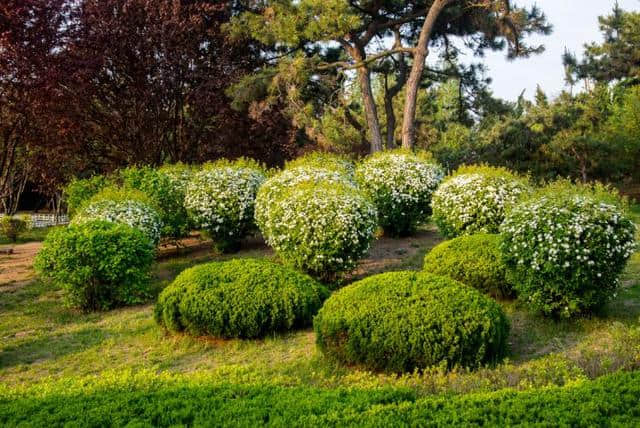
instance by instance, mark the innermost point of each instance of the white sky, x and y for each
(575, 22)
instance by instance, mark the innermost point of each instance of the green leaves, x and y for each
(100, 265)
(400, 321)
(242, 298)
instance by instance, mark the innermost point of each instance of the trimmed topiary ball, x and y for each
(321, 228)
(99, 264)
(567, 246)
(125, 206)
(242, 298)
(400, 183)
(400, 321)
(221, 200)
(474, 260)
(474, 199)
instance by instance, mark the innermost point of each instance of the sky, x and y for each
(575, 22)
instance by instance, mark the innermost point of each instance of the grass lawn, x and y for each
(31, 235)
(45, 343)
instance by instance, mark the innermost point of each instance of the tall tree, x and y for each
(363, 30)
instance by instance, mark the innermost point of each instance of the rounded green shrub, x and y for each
(400, 183)
(567, 246)
(400, 321)
(167, 195)
(99, 264)
(241, 298)
(321, 228)
(80, 190)
(122, 205)
(221, 200)
(474, 260)
(323, 160)
(12, 227)
(474, 199)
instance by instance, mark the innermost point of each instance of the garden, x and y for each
(379, 292)
(319, 213)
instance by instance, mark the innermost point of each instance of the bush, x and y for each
(180, 174)
(474, 260)
(99, 264)
(167, 194)
(12, 227)
(567, 245)
(221, 200)
(400, 184)
(327, 161)
(145, 398)
(400, 321)
(274, 189)
(243, 298)
(79, 191)
(322, 228)
(474, 199)
(127, 206)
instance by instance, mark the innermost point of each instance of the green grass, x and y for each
(31, 235)
(44, 342)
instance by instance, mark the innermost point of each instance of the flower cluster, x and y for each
(273, 189)
(475, 200)
(325, 161)
(400, 184)
(321, 228)
(134, 213)
(566, 251)
(221, 200)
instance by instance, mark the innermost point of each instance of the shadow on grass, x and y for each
(50, 347)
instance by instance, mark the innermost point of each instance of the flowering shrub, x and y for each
(326, 161)
(567, 246)
(243, 298)
(167, 195)
(400, 321)
(474, 199)
(80, 190)
(99, 264)
(129, 207)
(322, 228)
(273, 189)
(221, 200)
(400, 184)
(180, 174)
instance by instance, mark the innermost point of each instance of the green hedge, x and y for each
(242, 298)
(474, 260)
(399, 321)
(147, 399)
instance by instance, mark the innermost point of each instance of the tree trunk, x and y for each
(419, 57)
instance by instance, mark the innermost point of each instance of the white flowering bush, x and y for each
(400, 184)
(272, 190)
(474, 199)
(321, 228)
(567, 247)
(135, 213)
(221, 200)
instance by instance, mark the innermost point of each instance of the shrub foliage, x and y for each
(322, 228)
(474, 260)
(400, 321)
(242, 298)
(474, 199)
(567, 246)
(221, 200)
(99, 264)
(400, 184)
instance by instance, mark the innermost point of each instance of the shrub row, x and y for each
(148, 399)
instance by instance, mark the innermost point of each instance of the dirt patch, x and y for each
(17, 268)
